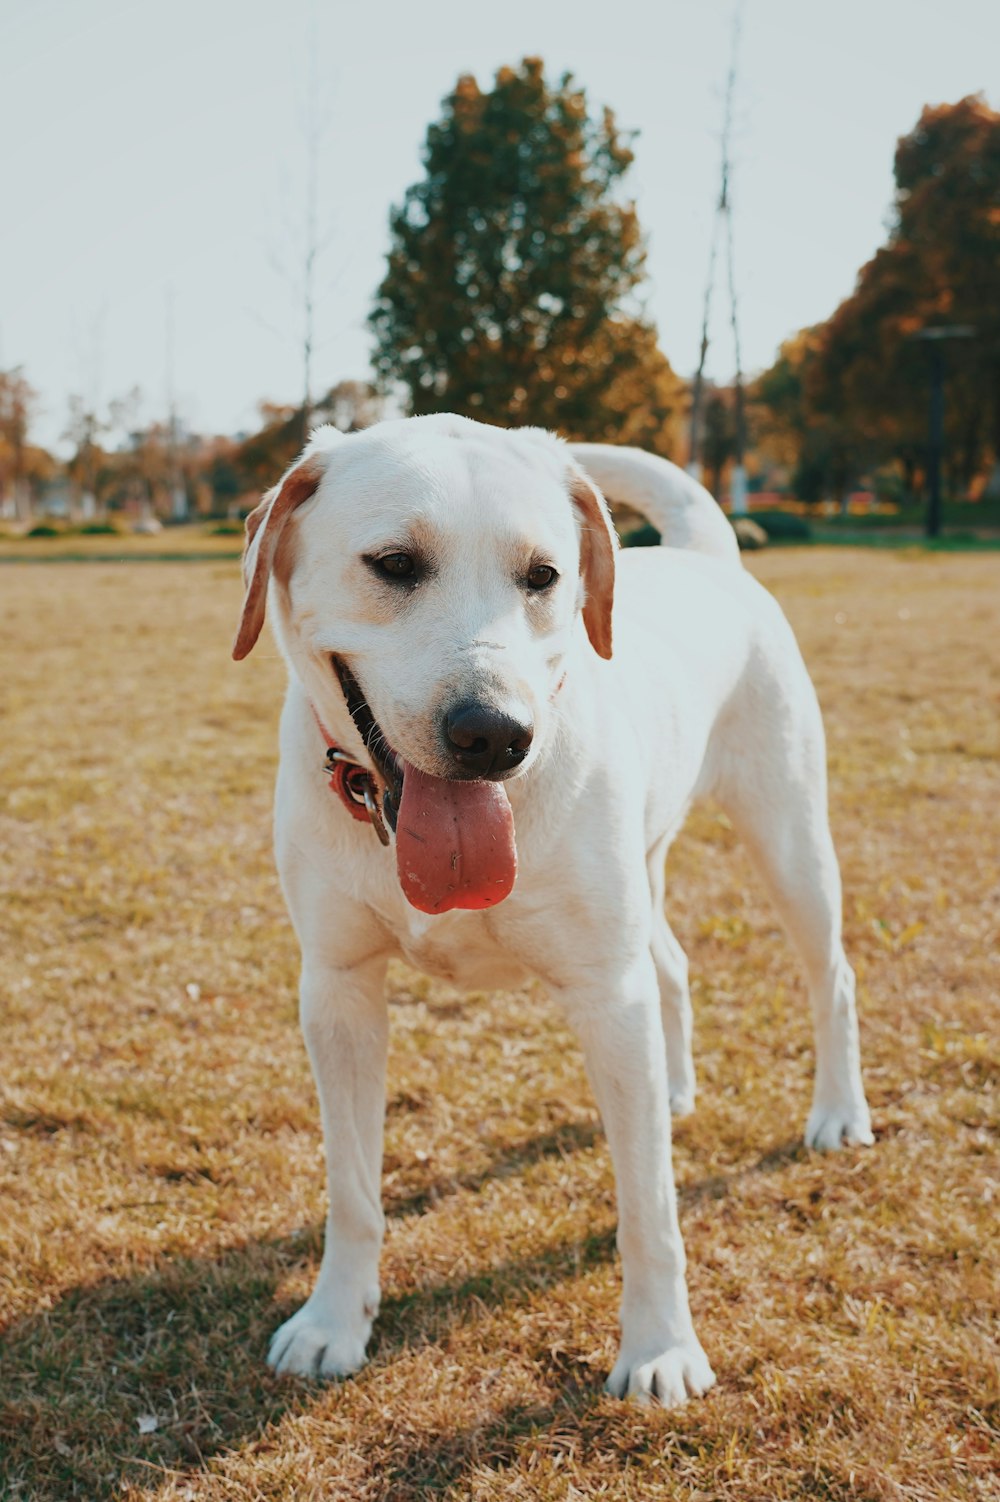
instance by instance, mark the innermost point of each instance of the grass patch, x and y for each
(160, 1160)
(951, 542)
(104, 542)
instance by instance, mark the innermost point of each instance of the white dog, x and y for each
(442, 593)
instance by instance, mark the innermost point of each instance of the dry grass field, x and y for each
(161, 1187)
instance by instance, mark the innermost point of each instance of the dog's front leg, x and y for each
(345, 1023)
(619, 1025)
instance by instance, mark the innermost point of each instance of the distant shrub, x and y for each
(45, 529)
(645, 536)
(783, 526)
(780, 526)
(227, 529)
(99, 529)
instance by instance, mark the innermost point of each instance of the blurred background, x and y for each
(760, 238)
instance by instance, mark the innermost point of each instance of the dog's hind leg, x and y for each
(675, 996)
(775, 794)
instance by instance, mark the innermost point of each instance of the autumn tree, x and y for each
(17, 399)
(511, 288)
(948, 210)
(24, 466)
(350, 406)
(221, 475)
(260, 457)
(84, 429)
(808, 432)
(867, 377)
(779, 417)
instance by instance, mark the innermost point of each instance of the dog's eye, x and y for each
(541, 576)
(395, 565)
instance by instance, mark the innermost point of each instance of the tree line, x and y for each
(849, 397)
(513, 292)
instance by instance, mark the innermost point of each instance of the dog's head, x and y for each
(439, 569)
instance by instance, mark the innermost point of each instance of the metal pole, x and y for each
(175, 483)
(935, 441)
(934, 337)
(722, 212)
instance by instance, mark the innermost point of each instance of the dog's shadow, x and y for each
(135, 1379)
(503, 1160)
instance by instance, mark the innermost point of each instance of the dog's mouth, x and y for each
(390, 766)
(454, 836)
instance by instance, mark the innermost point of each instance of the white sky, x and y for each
(149, 146)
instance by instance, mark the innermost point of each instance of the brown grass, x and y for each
(160, 1152)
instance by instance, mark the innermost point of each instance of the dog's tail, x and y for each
(682, 511)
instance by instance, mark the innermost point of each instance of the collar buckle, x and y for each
(356, 788)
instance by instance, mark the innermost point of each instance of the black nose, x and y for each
(485, 741)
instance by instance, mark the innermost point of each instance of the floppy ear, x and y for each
(263, 532)
(598, 546)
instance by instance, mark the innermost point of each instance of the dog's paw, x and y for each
(832, 1125)
(670, 1378)
(314, 1343)
(681, 1102)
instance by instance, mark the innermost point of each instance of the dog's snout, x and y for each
(485, 741)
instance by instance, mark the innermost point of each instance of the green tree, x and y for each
(510, 292)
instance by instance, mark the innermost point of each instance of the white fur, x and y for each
(706, 693)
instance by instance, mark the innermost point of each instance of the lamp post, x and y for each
(935, 339)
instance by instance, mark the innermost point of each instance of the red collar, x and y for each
(353, 784)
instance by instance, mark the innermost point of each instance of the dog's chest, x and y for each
(462, 948)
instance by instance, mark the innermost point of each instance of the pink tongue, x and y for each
(454, 843)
